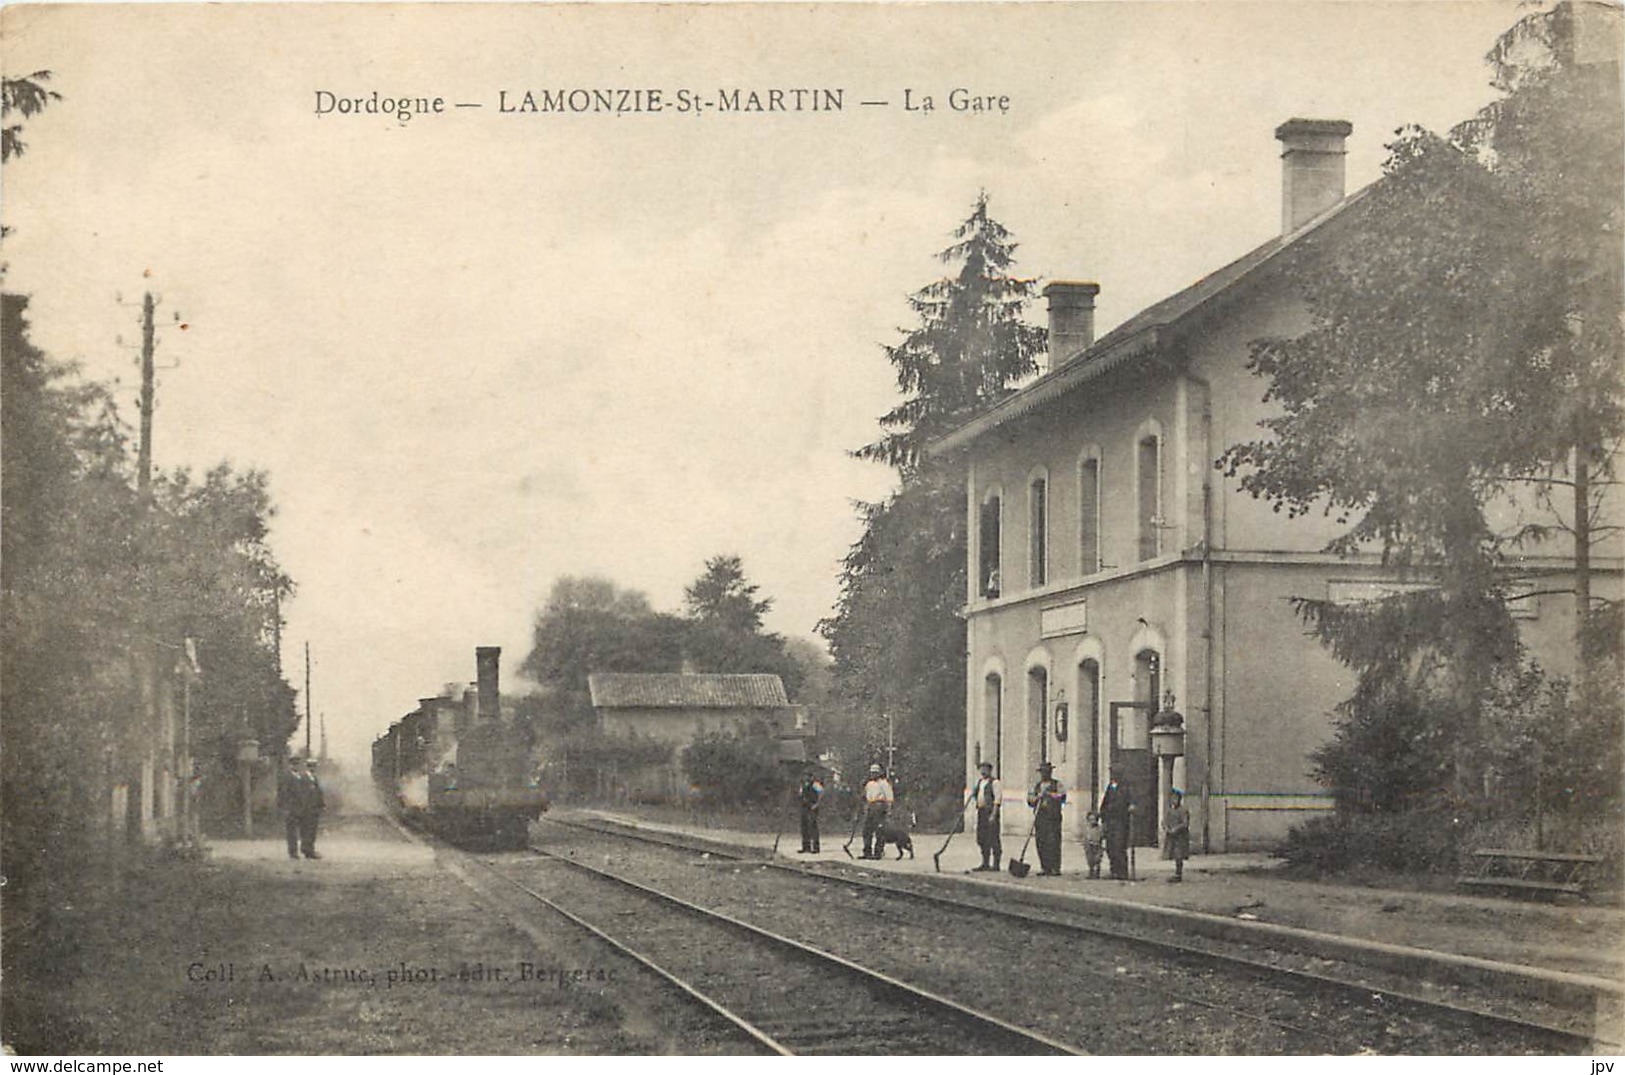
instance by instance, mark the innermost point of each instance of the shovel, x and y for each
(936, 860)
(1018, 868)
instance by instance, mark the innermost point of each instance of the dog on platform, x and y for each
(896, 833)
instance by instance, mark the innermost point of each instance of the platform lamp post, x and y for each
(1167, 743)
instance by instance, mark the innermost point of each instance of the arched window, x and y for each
(1148, 472)
(1038, 530)
(1089, 516)
(988, 551)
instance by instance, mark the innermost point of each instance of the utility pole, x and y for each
(134, 760)
(307, 700)
(891, 745)
(144, 459)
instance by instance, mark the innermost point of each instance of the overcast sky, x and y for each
(480, 350)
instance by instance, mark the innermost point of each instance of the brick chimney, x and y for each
(1312, 180)
(488, 703)
(1071, 319)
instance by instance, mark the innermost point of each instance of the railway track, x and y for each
(1357, 1003)
(782, 995)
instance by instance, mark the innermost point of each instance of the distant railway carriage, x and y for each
(460, 770)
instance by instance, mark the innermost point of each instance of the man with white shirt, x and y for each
(877, 799)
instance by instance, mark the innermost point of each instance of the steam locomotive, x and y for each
(456, 768)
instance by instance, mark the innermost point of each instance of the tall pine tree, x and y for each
(896, 637)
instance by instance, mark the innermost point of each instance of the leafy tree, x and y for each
(101, 585)
(896, 637)
(588, 625)
(1460, 370)
(66, 603)
(27, 96)
(723, 627)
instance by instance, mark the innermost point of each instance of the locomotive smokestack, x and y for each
(488, 701)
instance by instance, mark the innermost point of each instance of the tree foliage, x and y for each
(969, 347)
(723, 595)
(734, 769)
(590, 625)
(26, 96)
(896, 637)
(100, 584)
(723, 626)
(1458, 383)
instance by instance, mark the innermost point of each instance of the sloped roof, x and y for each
(680, 690)
(1138, 337)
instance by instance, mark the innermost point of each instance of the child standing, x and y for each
(1093, 838)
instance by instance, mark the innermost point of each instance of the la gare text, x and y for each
(653, 101)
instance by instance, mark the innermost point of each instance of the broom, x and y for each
(936, 860)
(857, 820)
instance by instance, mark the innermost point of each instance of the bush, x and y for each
(726, 768)
(1441, 842)
(1422, 841)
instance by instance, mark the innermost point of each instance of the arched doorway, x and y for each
(993, 720)
(1086, 734)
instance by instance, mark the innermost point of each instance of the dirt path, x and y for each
(372, 949)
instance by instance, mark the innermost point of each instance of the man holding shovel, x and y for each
(988, 794)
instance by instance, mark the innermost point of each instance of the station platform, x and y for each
(1249, 897)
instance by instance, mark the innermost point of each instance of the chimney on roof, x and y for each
(488, 701)
(1312, 153)
(1071, 319)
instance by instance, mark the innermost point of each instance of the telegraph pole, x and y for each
(307, 700)
(144, 459)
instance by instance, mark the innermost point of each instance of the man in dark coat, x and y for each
(299, 797)
(1046, 799)
(1115, 808)
(812, 792)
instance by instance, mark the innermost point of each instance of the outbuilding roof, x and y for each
(685, 690)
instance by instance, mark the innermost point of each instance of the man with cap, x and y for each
(1046, 799)
(1115, 808)
(812, 792)
(877, 799)
(988, 795)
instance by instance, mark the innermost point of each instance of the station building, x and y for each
(1113, 573)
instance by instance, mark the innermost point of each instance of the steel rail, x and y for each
(1583, 1042)
(755, 1032)
(855, 969)
(1260, 1020)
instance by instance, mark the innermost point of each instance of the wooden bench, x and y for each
(1546, 873)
